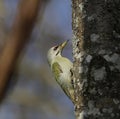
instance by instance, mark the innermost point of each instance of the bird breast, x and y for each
(65, 76)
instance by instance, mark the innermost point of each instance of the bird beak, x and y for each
(63, 45)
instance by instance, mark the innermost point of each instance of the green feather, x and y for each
(56, 69)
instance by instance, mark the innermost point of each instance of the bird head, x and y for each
(55, 51)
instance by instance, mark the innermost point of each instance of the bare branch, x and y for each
(17, 38)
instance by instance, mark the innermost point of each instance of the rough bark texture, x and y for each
(96, 51)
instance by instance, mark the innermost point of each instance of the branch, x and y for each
(17, 38)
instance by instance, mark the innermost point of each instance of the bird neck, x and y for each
(56, 59)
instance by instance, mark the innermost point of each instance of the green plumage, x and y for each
(56, 69)
(61, 68)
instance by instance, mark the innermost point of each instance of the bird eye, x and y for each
(55, 48)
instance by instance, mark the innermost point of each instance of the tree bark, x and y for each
(17, 38)
(96, 52)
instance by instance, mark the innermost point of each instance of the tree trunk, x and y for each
(96, 52)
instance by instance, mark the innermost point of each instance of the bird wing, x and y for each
(56, 68)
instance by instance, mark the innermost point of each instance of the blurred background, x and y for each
(33, 93)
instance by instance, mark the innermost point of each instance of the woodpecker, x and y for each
(62, 69)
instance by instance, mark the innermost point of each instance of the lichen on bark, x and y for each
(96, 53)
